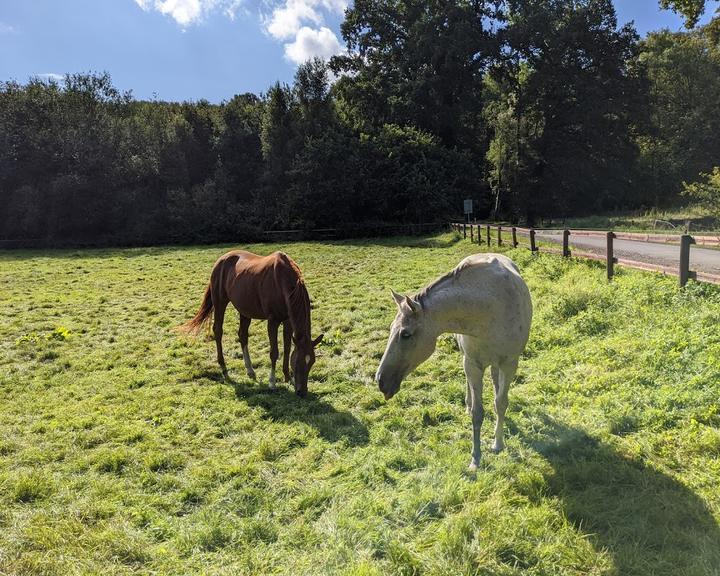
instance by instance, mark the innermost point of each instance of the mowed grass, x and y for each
(123, 451)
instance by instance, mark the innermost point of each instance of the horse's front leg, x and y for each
(272, 327)
(287, 344)
(244, 334)
(474, 372)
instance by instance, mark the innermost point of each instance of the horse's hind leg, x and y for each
(502, 375)
(474, 372)
(272, 327)
(218, 320)
(287, 344)
(243, 334)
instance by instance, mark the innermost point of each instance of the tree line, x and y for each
(533, 108)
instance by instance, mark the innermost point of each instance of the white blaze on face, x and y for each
(307, 359)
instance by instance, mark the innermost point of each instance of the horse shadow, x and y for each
(646, 520)
(283, 405)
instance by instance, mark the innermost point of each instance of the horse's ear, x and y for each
(414, 305)
(318, 340)
(399, 298)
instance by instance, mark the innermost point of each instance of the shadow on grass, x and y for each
(283, 405)
(650, 523)
(429, 240)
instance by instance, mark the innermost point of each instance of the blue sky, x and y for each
(192, 49)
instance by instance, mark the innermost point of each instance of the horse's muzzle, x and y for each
(388, 390)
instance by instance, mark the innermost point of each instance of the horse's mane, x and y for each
(294, 268)
(299, 297)
(298, 300)
(422, 294)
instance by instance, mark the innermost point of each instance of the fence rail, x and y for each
(685, 241)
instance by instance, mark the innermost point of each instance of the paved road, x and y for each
(701, 259)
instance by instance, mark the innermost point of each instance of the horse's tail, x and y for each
(195, 325)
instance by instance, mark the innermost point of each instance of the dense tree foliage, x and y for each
(706, 191)
(690, 9)
(562, 101)
(682, 137)
(533, 108)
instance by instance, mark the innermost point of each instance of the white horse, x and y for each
(486, 304)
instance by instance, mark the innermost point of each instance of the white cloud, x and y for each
(287, 21)
(6, 29)
(52, 76)
(186, 12)
(300, 24)
(232, 8)
(302, 21)
(310, 43)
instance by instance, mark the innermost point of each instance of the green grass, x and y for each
(123, 451)
(675, 221)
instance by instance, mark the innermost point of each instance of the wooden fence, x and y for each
(500, 235)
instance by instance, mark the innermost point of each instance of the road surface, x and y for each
(701, 259)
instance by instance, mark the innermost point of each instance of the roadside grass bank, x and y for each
(654, 220)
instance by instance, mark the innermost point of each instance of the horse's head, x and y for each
(301, 360)
(409, 344)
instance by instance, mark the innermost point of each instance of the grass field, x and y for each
(122, 451)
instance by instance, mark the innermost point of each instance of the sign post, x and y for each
(468, 208)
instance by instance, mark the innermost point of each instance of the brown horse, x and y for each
(263, 288)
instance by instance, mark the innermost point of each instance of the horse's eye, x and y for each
(404, 334)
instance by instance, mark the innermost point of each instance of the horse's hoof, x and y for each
(497, 448)
(473, 465)
(252, 376)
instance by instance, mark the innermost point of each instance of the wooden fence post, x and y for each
(566, 243)
(610, 256)
(464, 230)
(472, 236)
(533, 246)
(685, 274)
(499, 235)
(487, 234)
(514, 237)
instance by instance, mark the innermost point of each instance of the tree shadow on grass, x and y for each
(649, 522)
(430, 240)
(283, 405)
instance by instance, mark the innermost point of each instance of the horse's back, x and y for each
(488, 261)
(253, 283)
(498, 297)
(489, 272)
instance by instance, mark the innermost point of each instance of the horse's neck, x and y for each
(446, 311)
(299, 313)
